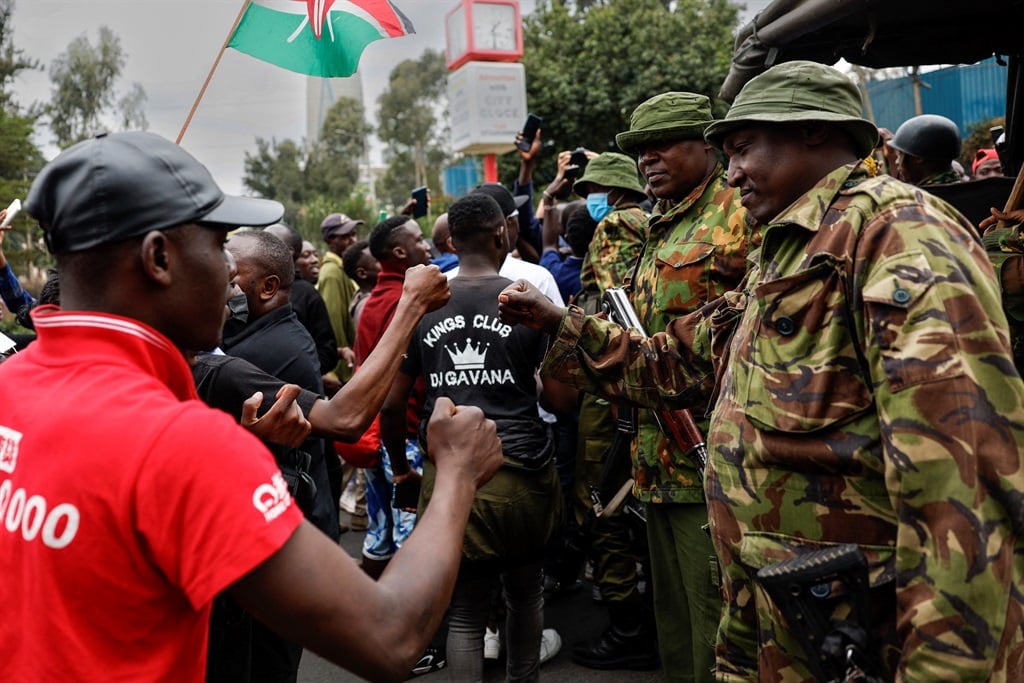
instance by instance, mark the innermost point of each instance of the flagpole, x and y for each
(209, 76)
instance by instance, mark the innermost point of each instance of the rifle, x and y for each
(801, 588)
(678, 425)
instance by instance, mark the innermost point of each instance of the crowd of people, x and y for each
(842, 344)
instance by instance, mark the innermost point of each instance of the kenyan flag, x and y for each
(316, 37)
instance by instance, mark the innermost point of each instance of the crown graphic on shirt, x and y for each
(469, 358)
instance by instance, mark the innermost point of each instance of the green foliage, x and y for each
(332, 165)
(309, 216)
(20, 159)
(12, 60)
(83, 91)
(317, 179)
(589, 64)
(411, 127)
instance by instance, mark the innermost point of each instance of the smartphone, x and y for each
(12, 210)
(579, 159)
(422, 203)
(530, 129)
(577, 163)
(405, 496)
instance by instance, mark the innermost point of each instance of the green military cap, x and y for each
(666, 117)
(799, 91)
(610, 169)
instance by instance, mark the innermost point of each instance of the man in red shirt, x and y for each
(398, 244)
(128, 505)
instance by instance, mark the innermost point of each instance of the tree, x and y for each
(333, 163)
(314, 179)
(20, 159)
(276, 171)
(589, 64)
(411, 125)
(84, 92)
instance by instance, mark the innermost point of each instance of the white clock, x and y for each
(483, 30)
(494, 26)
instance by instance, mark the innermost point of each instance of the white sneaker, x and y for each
(492, 644)
(550, 644)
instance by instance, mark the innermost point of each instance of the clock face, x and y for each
(456, 30)
(494, 26)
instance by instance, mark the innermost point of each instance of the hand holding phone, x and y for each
(577, 163)
(530, 129)
(12, 210)
(422, 202)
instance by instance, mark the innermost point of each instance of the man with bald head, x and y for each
(309, 307)
(275, 341)
(447, 258)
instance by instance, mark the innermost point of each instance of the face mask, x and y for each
(239, 308)
(597, 205)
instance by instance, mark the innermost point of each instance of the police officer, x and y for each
(926, 146)
(865, 395)
(613, 191)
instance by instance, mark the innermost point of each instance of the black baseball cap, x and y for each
(120, 185)
(500, 194)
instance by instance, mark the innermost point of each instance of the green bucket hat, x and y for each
(665, 117)
(610, 169)
(799, 91)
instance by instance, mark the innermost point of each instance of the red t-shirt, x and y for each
(126, 506)
(377, 313)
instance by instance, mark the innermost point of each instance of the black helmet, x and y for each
(928, 136)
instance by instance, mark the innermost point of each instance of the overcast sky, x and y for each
(171, 45)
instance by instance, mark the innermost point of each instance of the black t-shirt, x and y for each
(467, 354)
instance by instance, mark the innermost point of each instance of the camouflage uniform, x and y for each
(696, 251)
(864, 394)
(944, 178)
(614, 546)
(1005, 248)
(613, 251)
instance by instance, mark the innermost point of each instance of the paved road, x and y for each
(575, 617)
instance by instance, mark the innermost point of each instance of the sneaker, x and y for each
(492, 644)
(550, 644)
(432, 660)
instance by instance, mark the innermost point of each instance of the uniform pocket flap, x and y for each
(683, 254)
(899, 280)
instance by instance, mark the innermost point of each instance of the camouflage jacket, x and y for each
(1006, 252)
(696, 251)
(617, 241)
(945, 178)
(865, 395)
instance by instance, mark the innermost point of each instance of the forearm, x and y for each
(551, 229)
(311, 592)
(349, 412)
(600, 357)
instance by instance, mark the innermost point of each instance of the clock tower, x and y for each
(486, 93)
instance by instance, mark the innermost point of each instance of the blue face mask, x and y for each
(597, 205)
